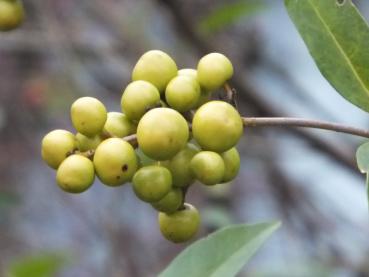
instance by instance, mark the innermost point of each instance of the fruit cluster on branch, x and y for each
(150, 143)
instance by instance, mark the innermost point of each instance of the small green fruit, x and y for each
(138, 98)
(155, 67)
(115, 162)
(190, 72)
(232, 161)
(217, 126)
(11, 14)
(170, 202)
(208, 167)
(75, 174)
(87, 143)
(56, 146)
(162, 133)
(88, 116)
(151, 183)
(118, 125)
(182, 93)
(181, 225)
(179, 166)
(213, 70)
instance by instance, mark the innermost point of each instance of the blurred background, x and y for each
(308, 179)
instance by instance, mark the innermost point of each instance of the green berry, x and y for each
(162, 133)
(11, 14)
(115, 162)
(118, 125)
(170, 202)
(181, 225)
(87, 143)
(75, 174)
(208, 167)
(182, 93)
(56, 146)
(190, 72)
(217, 126)
(213, 70)
(138, 98)
(204, 98)
(88, 116)
(155, 67)
(231, 160)
(151, 183)
(179, 166)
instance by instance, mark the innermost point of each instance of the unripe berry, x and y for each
(87, 143)
(155, 67)
(118, 125)
(75, 174)
(138, 98)
(190, 72)
(213, 70)
(170, 202)
(162, 133)
(217, 126)
(56, 146)
(11, 14)
(182, 93)
(115, 162)
(231, 160)
(208, 167)
(151, 183)
(181, 225)
(179, 166)
(88, 116)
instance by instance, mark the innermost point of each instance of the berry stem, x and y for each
(301, 122)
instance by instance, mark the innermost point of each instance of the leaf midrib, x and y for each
(326, 26)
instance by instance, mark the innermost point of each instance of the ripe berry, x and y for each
(179, 166)
(170, 202)
(118, 125)
(181, 225)
(88, 116)
(115, 162)
(155, 67)
(138, 98)
(75, 174)
(217, 126)
(87, 143)
(56, 146)
(213, 70)
(182, 93)
(161, 133)
(208, 167)
(151, 183)
(11, 14)
(231, 160)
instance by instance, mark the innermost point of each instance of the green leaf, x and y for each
(41, 265)
(362, 158)
(228, 14)
(337, 37)
(222, 253)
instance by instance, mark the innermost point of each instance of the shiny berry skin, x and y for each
(88, 116)
(156, 67)
(11, 14)
(115, 162)
(151, 183)
(213, 70)
(232, 161)
(138, 98)
(75, 174)
(162, 133)
(217, 126)
(208, 167)
(181, 225)
(56, 146)
(118, 125)
(182, 93)
(170, 202)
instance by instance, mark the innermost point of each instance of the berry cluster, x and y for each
(175, 143)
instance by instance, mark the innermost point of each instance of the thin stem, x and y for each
(301, 122)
